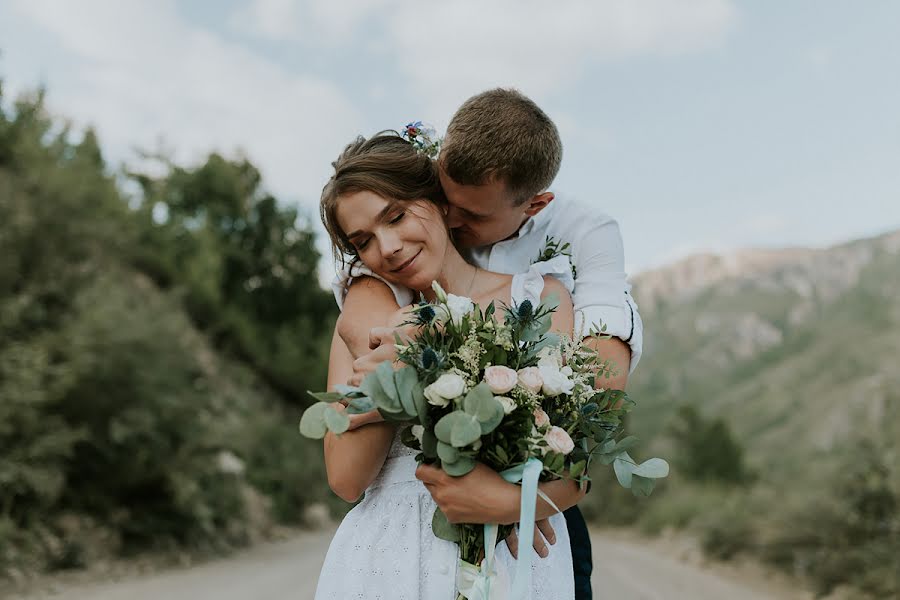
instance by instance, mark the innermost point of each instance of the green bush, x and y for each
(151, 373)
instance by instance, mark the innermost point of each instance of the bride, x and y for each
(385, 208)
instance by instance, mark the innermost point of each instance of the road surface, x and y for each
(625, 569)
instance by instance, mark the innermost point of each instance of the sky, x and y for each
(700, 125)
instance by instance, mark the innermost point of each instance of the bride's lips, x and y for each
(407, 264)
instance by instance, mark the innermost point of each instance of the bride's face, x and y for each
(404, 242)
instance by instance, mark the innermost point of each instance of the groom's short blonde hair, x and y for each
(502, 135)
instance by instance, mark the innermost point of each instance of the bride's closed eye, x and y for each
(398, 217)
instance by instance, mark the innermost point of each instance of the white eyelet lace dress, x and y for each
(384, 548)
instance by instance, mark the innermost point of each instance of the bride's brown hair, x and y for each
(384, 164)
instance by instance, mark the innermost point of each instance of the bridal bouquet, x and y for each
(504, 392)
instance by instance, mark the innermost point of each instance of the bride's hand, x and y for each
(482, 496)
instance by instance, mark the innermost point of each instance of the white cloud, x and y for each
(140, 73)
(449, 50)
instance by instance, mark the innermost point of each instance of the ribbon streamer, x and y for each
(489, 582)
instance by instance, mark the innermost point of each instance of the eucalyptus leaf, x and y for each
(347, 390)
(371, 387)
(405, 380)
(642, 486)
(358, 406)
(312, 423)
(337, 422)
(460, 467)
(654, 468)
(385, 374)
(326, 396)
(492, 423)
(429, 444)
(577, 469)
(623, 467)
(465, 431)
(447, 453)
(626, 443)
(443, 528)
(421, 403)
(478, 397)
(444, 426)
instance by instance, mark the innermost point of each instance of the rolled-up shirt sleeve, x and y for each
(602, 293)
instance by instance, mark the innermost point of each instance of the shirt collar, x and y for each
(537, 220)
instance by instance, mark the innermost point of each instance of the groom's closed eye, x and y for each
(472, 216)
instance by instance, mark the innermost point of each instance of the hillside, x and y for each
(796, 349)
(770, 380)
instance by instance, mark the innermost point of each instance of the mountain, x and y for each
(796, 349)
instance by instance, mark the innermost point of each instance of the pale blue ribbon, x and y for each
(528, 473)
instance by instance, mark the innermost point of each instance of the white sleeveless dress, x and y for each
(384, 548)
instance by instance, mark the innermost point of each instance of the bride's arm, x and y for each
(562, 321)
(354, 458)
(482, 496)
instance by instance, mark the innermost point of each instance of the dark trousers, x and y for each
(581, 552)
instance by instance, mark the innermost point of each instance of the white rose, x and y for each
(559, 441)
(447, 387)
(541, 418)
(508, 403)
(500, 379)
(459, 306)
(555, 383)
(418, 432)
(530, 379)
(549, 356)
(566, 370)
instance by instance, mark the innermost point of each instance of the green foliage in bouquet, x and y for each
(476, 388)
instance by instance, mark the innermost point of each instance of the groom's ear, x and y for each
(538, 203)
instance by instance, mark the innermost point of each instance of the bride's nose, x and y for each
(390, 245)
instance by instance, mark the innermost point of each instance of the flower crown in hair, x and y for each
(423, 137)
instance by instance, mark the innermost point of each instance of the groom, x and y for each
(499, 157)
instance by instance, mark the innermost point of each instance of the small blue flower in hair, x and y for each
(423, 137)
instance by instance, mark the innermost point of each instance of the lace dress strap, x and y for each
(345, 276)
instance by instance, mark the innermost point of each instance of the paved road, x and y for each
(626, 569)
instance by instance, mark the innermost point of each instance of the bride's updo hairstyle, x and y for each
(385, 164)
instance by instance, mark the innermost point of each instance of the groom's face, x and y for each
(480, 215)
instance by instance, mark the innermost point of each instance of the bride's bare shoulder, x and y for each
(552, 285)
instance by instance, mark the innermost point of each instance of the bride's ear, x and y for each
(538, 203)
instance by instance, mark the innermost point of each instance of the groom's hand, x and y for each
(543, 535)
(482, 496)
(381, 343)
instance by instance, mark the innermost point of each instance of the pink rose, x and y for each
(530, 379)
(500, 379)
(559, 441)
(540, 417)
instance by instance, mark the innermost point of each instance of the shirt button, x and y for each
(444, 570)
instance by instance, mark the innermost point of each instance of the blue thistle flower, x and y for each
(429, 358)
(426, 315)
(524, 310)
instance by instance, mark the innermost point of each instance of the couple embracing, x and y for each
(478, 219)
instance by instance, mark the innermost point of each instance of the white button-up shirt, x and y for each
(602, 293)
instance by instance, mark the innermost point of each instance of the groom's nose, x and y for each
(454, 218)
